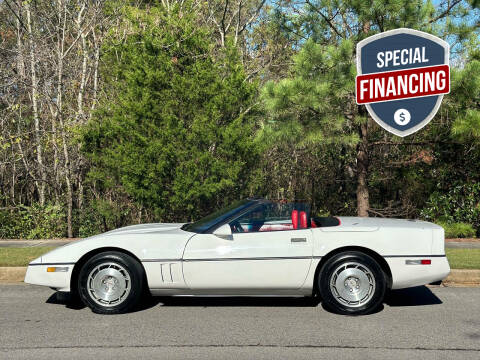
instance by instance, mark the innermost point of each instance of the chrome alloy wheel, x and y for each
(109, 284)
(352, 284)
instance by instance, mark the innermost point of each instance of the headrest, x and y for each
(295, 219)
(303, 220)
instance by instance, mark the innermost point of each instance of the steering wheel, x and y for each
(237, 228)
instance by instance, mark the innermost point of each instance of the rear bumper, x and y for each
(37, 275)
(404, 276)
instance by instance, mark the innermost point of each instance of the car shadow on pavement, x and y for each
(198, 301)
(59, 298)
(416, 296)
(240, 301)
(243, 301)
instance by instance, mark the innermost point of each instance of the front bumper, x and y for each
(37, 275)
(404, 276)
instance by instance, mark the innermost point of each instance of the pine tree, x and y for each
(176, 128)
(319, 95)
(466, 97)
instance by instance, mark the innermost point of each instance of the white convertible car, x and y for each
(253, 247)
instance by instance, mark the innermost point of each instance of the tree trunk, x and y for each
(69, 206)
(21, 75)
(38, 137)
(363, 203)
(95, 72)
(81, 90)
(60, 49)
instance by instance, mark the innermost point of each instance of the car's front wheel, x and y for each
(111, 283)
(352, 283)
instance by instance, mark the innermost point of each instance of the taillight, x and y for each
(418, 262)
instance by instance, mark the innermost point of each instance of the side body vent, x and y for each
(169, 272)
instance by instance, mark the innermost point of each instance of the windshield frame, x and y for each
(212, 221)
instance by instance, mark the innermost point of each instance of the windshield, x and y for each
(208, 221)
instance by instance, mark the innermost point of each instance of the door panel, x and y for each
(257, 260)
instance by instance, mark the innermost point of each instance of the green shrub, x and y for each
(44, 222)
(102, 215)
(33, 222)
(457, 230)
(461, 204)
(9, 224)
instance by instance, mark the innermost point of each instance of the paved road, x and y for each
(420, 323)
(463, 245)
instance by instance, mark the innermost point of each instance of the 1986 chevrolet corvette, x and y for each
(253, 247)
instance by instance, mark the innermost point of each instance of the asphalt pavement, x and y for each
(419, 323)
(463, 245)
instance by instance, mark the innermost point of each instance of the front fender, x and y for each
(150, 248)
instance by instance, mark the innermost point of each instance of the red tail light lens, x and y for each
(418, 262)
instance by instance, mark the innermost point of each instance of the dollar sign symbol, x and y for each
(401, 117)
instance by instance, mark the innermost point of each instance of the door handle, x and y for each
(294, 240)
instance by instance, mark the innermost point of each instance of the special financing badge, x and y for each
(402, 77)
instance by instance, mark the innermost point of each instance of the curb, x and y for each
(463, 277)
(457, 277)
(12, 274)
(472, 240)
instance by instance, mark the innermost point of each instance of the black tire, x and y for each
(129, 275)
(336, 271)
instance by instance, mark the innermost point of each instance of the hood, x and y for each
(147, 241)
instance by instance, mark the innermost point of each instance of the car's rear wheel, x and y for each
(352, 283)
(111, 283)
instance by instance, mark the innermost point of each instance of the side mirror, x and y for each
(224, 232)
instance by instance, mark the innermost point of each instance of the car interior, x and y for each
(263, 219)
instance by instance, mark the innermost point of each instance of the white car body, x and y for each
(179, 262)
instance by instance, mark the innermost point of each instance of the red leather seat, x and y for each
(303, 220)
(295, 219)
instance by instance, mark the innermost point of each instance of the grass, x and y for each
(458, 258)
(463, 258)
(21, 256)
